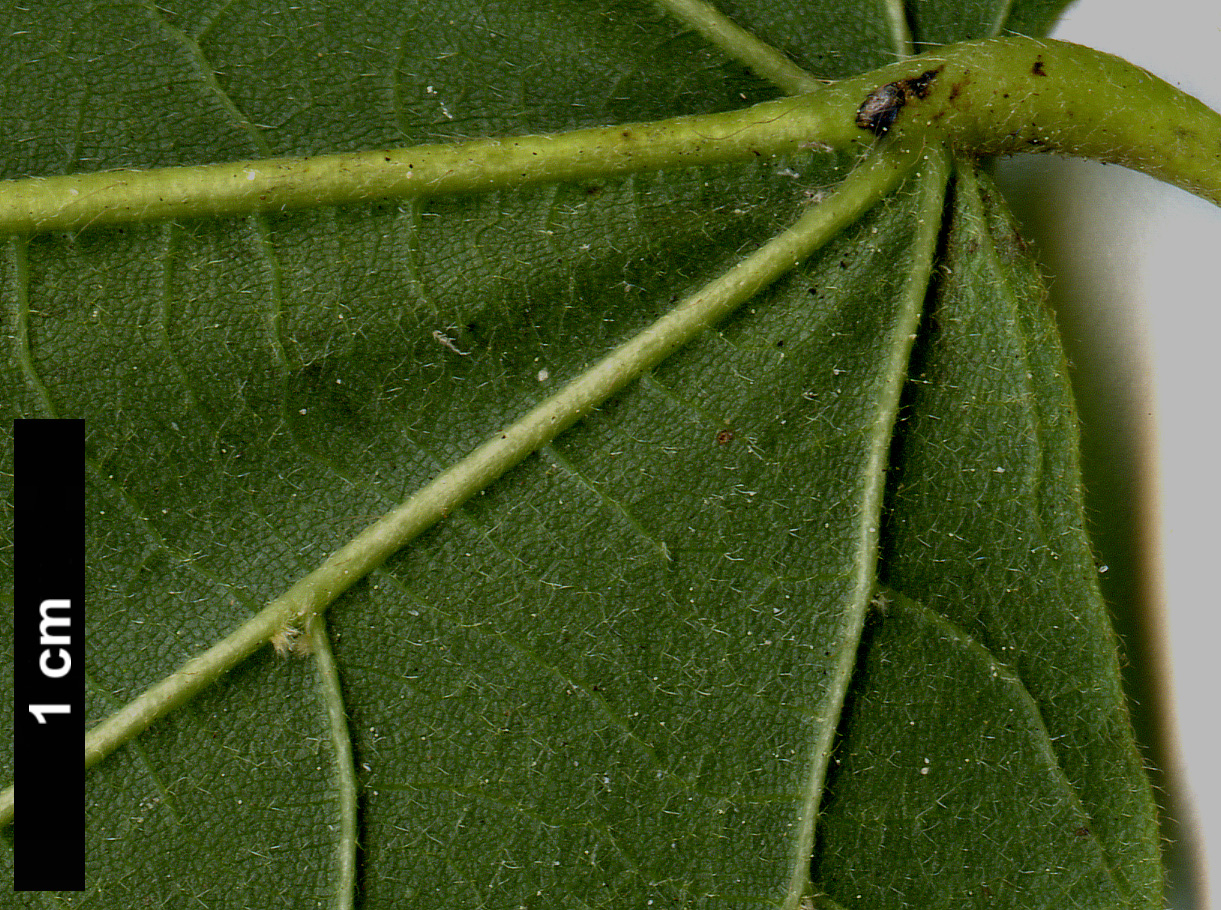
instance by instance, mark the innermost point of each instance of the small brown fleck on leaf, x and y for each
(1038, 69)
(724, 437)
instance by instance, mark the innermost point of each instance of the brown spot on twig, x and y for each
(920, 86)
(958, 87)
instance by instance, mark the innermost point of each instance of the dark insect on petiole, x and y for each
(881, 106)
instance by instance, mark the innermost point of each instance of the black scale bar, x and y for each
(49, 654)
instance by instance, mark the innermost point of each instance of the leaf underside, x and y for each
(612, 679)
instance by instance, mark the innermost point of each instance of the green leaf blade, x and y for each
(947, 791)
(656, 641)
(211, 806)
(616, 675)
(985, 525)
